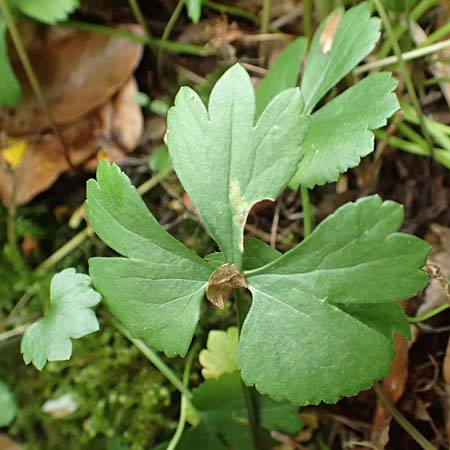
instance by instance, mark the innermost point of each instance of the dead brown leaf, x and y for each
(7, 443)
(78, 71)
(115, 128)
(393, 387)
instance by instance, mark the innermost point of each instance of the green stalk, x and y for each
(307, 18)
(242, 310)
(307, 215)
(265, 22)
(29, 71)
(232, 11)
(166, 33)
(173, 47)
(400, 29)
(184, 400)
(404, 70)
(429, 314)
(418, 52)
(437, 35)
(403, 422)
(154, 358)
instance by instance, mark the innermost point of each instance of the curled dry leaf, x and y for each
(78, 71)
(222, 282)
(435, 293)
(114, 128)
(446, 376)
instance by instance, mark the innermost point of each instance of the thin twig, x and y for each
(14, 332)
(418, 52)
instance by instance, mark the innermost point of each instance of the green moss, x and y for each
(119, 395)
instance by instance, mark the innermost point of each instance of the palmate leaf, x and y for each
(156, 289)
(47, 11)
(225, 162)
(317, 306)
(70, 317)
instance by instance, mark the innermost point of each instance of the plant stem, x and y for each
(166, 33)
(419, 10)
(154, 358)
(265, 20)
(242, 311)
(307, 18)
(438, 34)
(429, 314)
(174, 47)
(11, 235)
(307, 215)
(404, 70)
(184, 400)
(407, 56)
(137, 12)
(34, 82)
(14, 332)
(232, 11)
(403, 422)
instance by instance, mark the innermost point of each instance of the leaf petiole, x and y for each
(429, 314)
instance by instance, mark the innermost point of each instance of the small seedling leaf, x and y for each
(47, 11)
(226, 162)
(71, 317)
(194, 9)
(219, 357)
(355, 37)
(8, 407)
(325, 292)
(10, 90)
(340, 133)
(156, 288)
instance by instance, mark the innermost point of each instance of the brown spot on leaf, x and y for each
(329, 32)
(222, 282)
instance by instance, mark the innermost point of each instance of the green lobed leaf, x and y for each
(10, 90)
(47, 11)
(226, 162)
(317, 306)
(156, 289)
(340, 133)
(194, 9)
(283, 74)
(219, 357)
(355, 38)
(71, 317)
(8, 407)
(221, 406)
